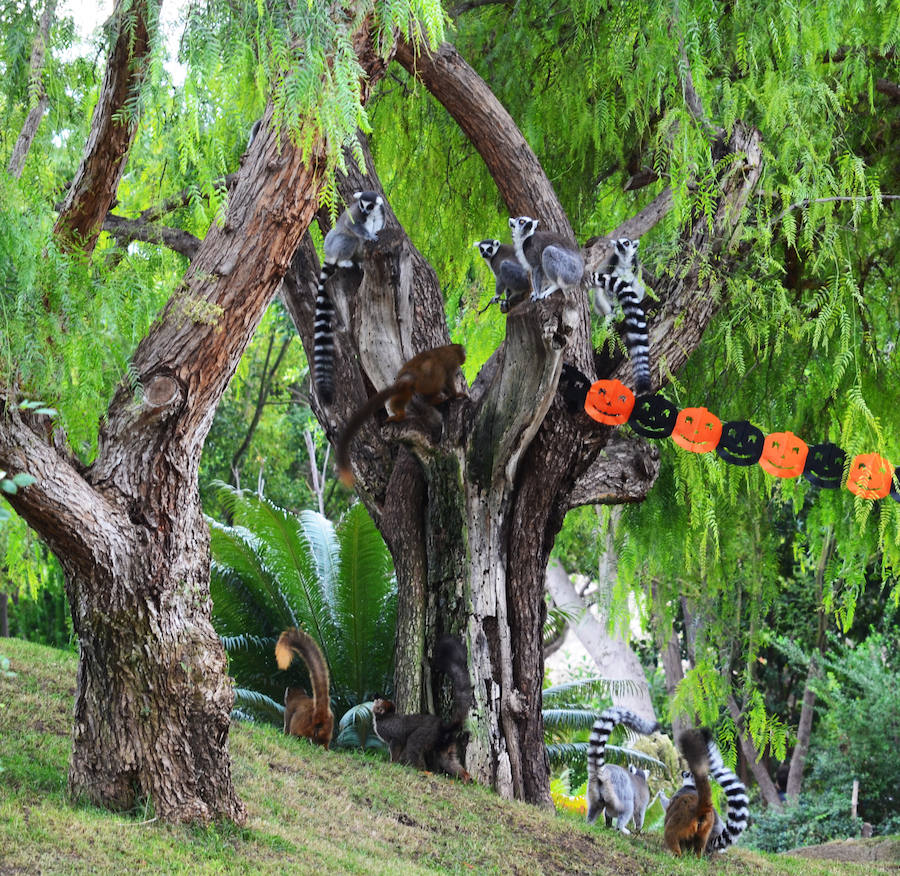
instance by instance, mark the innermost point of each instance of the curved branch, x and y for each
(112, 129)
(510, 160)
(81, 527)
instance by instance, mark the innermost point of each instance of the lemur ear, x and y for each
(357, 196)
(379, 200)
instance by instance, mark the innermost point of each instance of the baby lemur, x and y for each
(621, 795)
(426, 741)
(430, 374)
(690, 815)
(303, 715)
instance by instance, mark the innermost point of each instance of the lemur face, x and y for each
(523, 226)
(626, 249)
(488, 248)
(368, 201)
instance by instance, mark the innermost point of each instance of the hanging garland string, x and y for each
(738, 442)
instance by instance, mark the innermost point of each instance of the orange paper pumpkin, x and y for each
(870, 476)
(697, 430)
(609, 401)
(784, 455)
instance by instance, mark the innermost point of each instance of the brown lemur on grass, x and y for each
(426, 741)
(431, 374)
(304, 715)
(690, 816)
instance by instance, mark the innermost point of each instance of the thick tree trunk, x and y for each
(153, 702)
(503, 469)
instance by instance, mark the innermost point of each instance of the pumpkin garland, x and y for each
(737, 442)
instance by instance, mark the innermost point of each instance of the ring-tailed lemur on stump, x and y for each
(619, 281)
(551, 259)
(621, 795)
(511, 278)
(738, 813)
(343, 246)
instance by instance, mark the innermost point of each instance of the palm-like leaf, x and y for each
(273, 569)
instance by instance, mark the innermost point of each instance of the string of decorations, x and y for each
(737, 442)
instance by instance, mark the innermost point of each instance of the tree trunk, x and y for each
(613, 655)
(767, 788)
(669, 644)
(153, 702)
(496, 473)
(4, 616)
(804, 732)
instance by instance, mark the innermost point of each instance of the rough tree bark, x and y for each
(153, 701)
(470, 500)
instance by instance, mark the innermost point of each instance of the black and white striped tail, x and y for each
(603, 726)
(637, 338)
(323, 338)
(738, 802)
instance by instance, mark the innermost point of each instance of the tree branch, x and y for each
(112, 129)
(127, 230)
(891, 89)
(515, 168)
(36, 66)
(81, 526)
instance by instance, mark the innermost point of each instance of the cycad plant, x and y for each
(567, 725)
(273, 569)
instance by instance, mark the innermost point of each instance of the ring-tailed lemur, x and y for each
(343, 246)
(619, 281)
(723, 834)
(510, 276)
(622, 795)
(549, 257)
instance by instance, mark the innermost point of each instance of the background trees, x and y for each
(753, 147)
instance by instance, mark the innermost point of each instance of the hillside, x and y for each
(310, 811)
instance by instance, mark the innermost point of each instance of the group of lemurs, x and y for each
(691, 822)
(536, 264)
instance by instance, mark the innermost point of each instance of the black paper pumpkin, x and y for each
(653, 416)
(741, 443)
(574, 387)
(825, 465)
(895, 485)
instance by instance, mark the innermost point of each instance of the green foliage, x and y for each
(815, 819)
(859, 727)
(272, 570)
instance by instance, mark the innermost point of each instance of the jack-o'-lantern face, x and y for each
(609, 401)
(697, 430)
(573, 386)
(741, 443)
(784, 455)
(870, 476)
(653, 417)
(825, 466)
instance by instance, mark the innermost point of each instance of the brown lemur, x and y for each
(690, 816)
(431, 374)
(426, 741)
(304, 715)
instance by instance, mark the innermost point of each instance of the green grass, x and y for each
(310, 811)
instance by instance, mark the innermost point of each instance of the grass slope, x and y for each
(311, 811)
